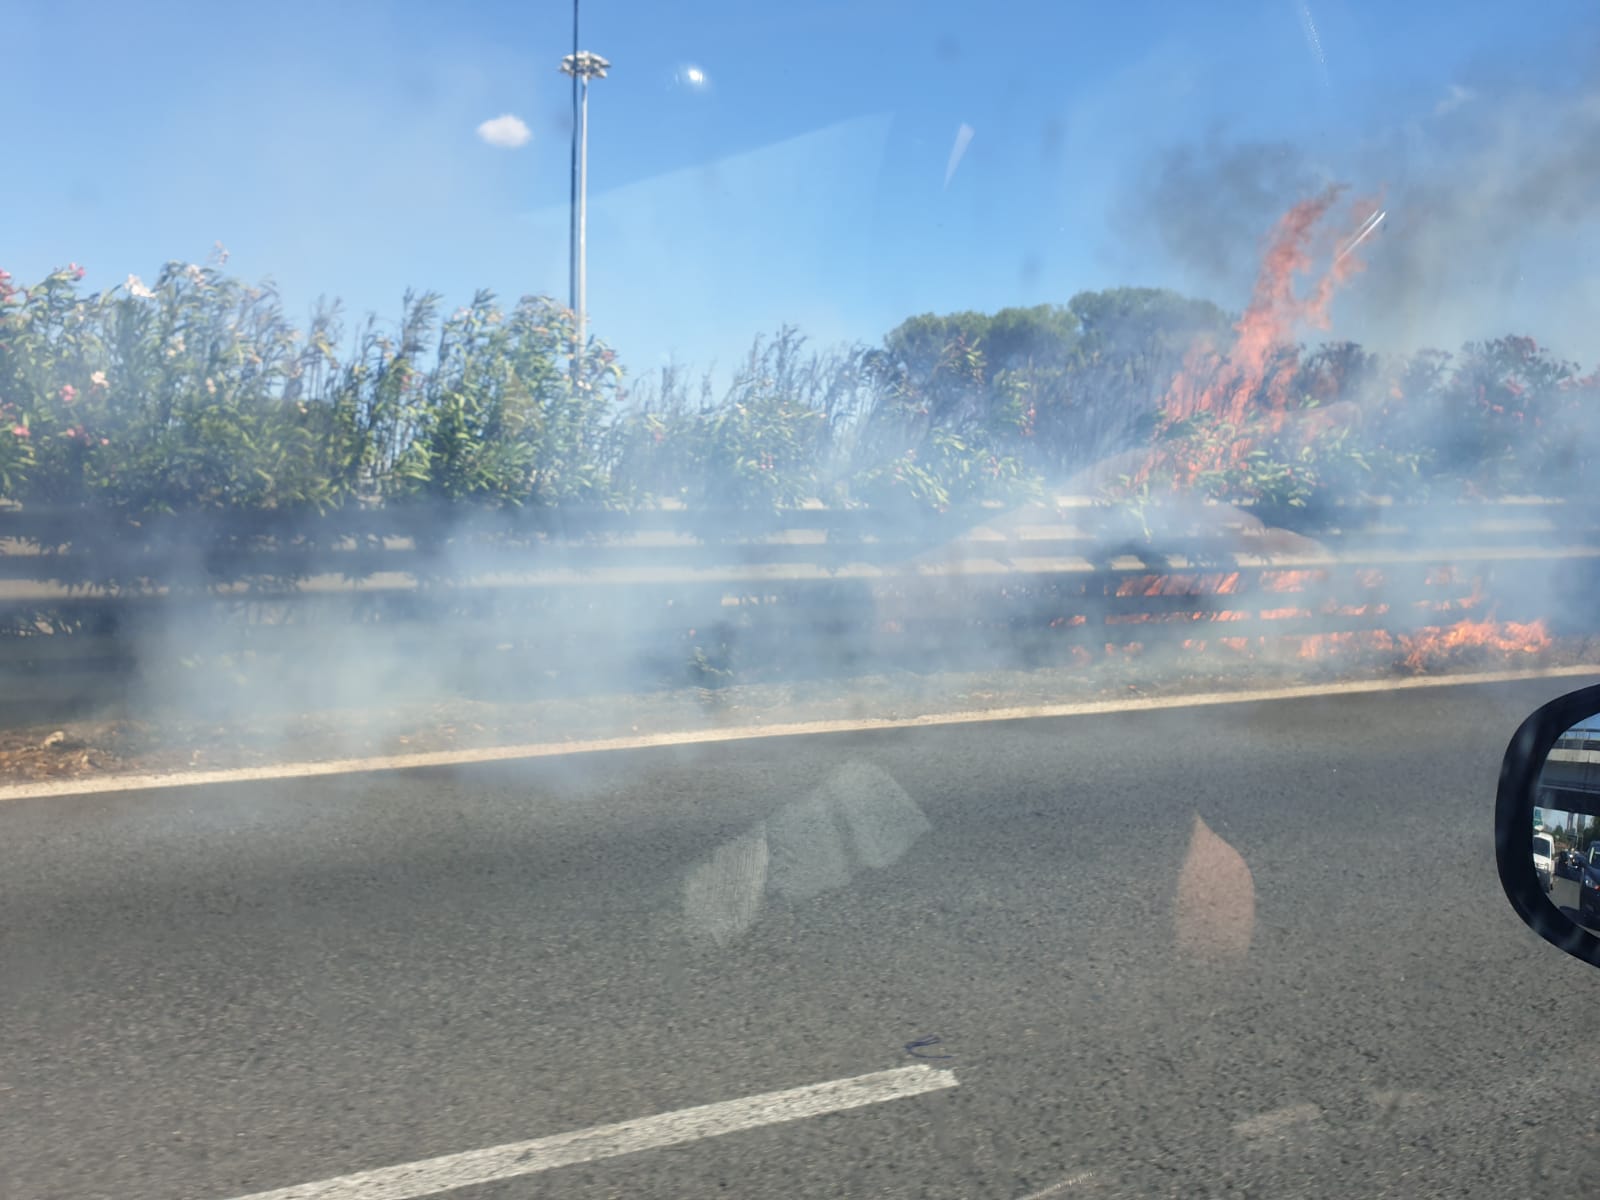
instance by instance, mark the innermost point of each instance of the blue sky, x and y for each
(333, 147)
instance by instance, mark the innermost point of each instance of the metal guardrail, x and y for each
(83, 599)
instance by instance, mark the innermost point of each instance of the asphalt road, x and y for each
(213, 992)
(1564, 895)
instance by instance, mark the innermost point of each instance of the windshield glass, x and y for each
(865, 599)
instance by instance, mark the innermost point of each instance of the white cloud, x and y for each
(506, 131)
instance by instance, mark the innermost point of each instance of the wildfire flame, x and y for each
(1260, 365)
(1321, 645)
(1437, 644)
(1290, 581)
(1430, 646)
(1501, 637)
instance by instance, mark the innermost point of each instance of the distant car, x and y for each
(1589, 895)
(1544, 849)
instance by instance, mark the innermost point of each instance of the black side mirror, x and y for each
(1547, 823)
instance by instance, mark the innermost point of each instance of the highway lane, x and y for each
(1564, 895)
(214, 992)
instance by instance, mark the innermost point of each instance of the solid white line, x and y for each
(647, 741)
(475, 1167)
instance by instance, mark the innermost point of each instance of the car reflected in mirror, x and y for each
(1566, 824)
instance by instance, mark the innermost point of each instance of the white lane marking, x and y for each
(455, 758)
(1277, 1121)
(1397, 1099)
(1055, 1189)
(432, 1175)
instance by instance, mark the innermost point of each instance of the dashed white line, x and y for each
(456, 758)
(1056, 1189)
(431, 1176)
(1278, 1120)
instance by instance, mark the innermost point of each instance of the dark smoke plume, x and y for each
(1492, 217)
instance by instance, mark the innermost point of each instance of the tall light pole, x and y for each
(572, 213)
(582, 66)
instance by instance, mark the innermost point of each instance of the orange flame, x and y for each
(1320, 645)
(1261, 361)
(1220, 584)
(1290, 581)
(1501, 637)
(1471, 600)
(1475, 597)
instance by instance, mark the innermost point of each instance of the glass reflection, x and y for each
(858, 819)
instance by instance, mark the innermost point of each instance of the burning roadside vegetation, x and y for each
(1261, 513)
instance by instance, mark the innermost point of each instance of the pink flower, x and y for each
(20, 430)
(98, 379)
(105, 441)
(77, 271)
(68, 393)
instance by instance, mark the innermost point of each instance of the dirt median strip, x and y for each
(135, 780)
